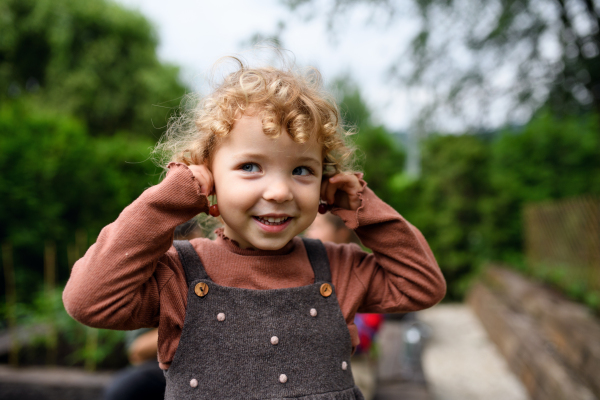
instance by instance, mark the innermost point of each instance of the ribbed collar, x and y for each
(234, 247)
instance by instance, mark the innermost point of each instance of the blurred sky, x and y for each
(194, 34)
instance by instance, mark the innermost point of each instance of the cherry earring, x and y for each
(213, 210)
(323, 207)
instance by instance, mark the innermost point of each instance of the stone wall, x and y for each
(550, 343)
(54, 383)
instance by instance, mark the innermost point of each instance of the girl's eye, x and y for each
(250, 167)
(301, 171)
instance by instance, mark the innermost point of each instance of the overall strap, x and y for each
(317, 255)
(192, 266)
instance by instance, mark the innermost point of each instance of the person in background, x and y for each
(330, 228)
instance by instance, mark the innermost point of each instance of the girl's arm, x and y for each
(401, 274)
(117, 283)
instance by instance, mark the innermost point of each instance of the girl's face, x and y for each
(267, 189)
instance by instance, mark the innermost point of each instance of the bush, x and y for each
(58, 339)
(550, 158)
(444, 204)
(93, 59)
(468, 201)
(56, 179)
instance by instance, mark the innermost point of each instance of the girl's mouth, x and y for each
(270, 221)
(273, 224)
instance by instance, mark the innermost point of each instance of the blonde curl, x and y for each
(286, 99)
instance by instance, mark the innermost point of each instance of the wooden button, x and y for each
(326, 290)
(201, 289)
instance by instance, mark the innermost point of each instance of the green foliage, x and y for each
(469, 199)
(447, 210)
(551, 158)
(380, 155)
(354, 109)
(92, 58)
(383, 157)
(79, 87)
(47, 311)
(57, 179)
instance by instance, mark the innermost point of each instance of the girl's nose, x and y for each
(278, 190)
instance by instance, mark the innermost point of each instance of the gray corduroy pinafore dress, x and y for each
(261, 344)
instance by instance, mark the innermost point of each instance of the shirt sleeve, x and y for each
(400, 275)
(115, 284)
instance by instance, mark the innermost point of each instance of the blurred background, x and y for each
(478, 121)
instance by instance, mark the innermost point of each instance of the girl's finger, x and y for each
(348, 180)
(204, 178)
(208, 184)
(330, 192)
(209, 181)
(324, 185)
(199, 174)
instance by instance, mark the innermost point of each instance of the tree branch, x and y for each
(594, 16)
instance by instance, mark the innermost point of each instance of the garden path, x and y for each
(459, 360)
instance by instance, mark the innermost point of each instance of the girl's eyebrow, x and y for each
(261, 156)
(243, 155)
(307, 159)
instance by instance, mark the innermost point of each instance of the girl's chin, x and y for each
(265, 237)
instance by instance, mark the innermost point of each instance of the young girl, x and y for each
(258, 313)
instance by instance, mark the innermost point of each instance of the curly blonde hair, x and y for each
(284, 98)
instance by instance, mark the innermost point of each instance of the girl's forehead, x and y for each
(249, 129)
(247, 138)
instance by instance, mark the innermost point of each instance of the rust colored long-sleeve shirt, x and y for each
(132, 276)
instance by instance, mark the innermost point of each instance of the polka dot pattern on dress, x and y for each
(221, 317)
(313, 312)
(283, 378)
(274, 340)
(344, 365)
(194, 383)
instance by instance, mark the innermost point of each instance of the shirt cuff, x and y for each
(352, 217)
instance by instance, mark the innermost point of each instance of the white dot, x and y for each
(344, 365)
(194, 383)
(282, 378)
(274, 340)
(221, 317)
(313, 312)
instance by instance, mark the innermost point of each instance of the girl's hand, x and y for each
(341, 190)
(204, 178)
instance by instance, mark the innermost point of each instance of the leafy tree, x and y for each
(92, 58)
(550, 158)
(380, 154)
(474, 57)
(468, 201)
(447, 204)
(57, 179)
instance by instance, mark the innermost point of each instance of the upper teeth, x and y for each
(271, 219)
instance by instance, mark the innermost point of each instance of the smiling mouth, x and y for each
(272, 221)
